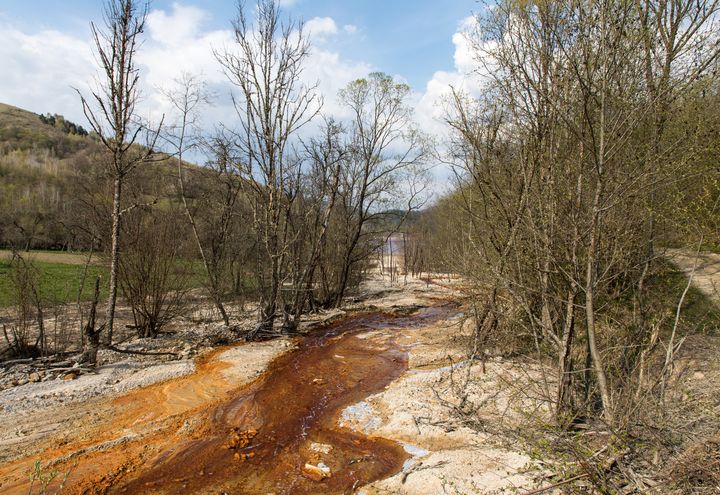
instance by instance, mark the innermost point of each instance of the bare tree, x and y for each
(154, 268)
(384, 147)
(187, 98)
(554, 176)
(266, 65)
(111, 112)
(91, 331)
(679, 45)
(326, 156)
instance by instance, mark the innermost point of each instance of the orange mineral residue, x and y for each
(198, 434)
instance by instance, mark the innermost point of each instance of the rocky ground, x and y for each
(423, 411)
(57, 416)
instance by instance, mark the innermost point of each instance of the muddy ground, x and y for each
(373, 414)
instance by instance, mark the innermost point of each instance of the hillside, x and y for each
(53, 183)
(21, 130)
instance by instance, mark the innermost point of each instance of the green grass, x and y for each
(59, 274)
(59, 282)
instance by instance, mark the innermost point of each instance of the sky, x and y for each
(47, 51)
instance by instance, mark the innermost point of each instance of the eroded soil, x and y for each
(201, 434)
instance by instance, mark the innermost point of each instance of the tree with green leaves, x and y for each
(385, 151)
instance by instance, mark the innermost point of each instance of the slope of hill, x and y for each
(21, 130)
(54, 185)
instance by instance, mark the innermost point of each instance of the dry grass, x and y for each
(50, 257)
(697, 469)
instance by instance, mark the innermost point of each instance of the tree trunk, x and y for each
(42, 340)
(114, 261)
(564, 397)
(212, 278)
(590, 312)
(92, 340)
(340, 294)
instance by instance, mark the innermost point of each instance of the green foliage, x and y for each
(58, 282)
(44, 477)
(378, 82)
(64, 125)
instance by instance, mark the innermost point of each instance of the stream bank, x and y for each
(334, 412)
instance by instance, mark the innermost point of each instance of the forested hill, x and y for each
(52, 178)
(21, 130)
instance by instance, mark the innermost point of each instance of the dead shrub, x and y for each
(23, 338)
(697, 469)
(154, 275)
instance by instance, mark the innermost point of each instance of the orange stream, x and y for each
(256, 439)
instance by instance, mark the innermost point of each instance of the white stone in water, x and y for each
(416, 453)
(362, 414)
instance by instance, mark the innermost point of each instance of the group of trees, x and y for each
(593, 146)
(63, 124)
(310, 203)
(285, 208)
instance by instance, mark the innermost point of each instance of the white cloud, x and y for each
(177, 44)
(429, 106)
(332, 74)
(165, 58)
(182, 24)
(319, 29)
(464, 56)
(190, 49)
(40, 69)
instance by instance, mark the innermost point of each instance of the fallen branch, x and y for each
(16, 361)
(48, 365)
(555, 485)
(610, 464)
(140, 353)
(70, 368)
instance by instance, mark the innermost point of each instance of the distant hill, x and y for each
(392, 219)
(53, 181)
(21, 130)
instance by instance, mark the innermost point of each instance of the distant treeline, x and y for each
(63, 124)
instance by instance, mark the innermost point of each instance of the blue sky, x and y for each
(412, 39)
(47, 51)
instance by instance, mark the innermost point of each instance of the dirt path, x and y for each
(706, 267)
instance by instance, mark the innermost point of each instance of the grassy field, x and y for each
(58, 276)
(50, 257)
